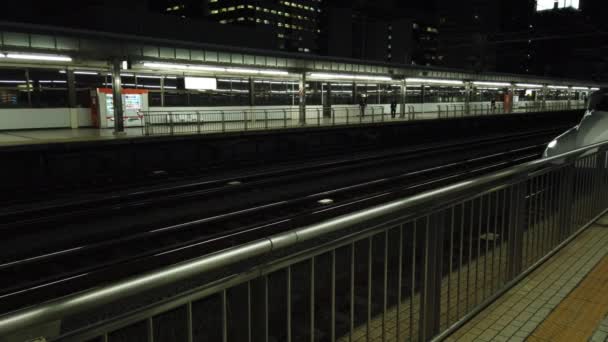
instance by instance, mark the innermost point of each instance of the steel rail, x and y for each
(54, 310)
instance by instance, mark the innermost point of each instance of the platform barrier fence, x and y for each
(223, 121)
(413, 269)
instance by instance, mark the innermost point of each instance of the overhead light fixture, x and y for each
(492, 84)
(580, 88)
(558, 87)
(435, 81)
(349, 77)
(12, 81)
(595, 89)
(156, 77)
(215, 69)
(527, 85)
(48, 58)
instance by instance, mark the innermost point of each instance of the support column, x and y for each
(378, 92)
(355, 94)
(544, 95)
(512, 90)
(119, 124)
(467, 97)
(569, 103)
(71, 80)
(302, 93)
(403, 98)
(328, 102)
(251, 92)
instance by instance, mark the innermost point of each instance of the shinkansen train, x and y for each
(592, 129)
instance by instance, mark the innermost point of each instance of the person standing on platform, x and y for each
(393, 108)
(362, 105)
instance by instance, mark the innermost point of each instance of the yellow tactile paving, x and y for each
(516, 314)
(578, 315)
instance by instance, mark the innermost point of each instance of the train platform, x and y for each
(565, 299)
(45, 136)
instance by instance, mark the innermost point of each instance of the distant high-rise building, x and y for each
(295, 22)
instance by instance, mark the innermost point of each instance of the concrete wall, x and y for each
(24, 118)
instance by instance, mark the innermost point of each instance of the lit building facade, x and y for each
(296, 22)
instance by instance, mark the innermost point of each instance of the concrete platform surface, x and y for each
(565, 299)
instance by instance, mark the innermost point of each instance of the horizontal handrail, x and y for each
(53, 310)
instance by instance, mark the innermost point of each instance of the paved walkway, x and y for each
(566, 299)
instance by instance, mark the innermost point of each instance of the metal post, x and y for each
(327, 104)
(302, 93)
(28, 84)
(431, 278)
(71, 79)
(403, 98)
(251, 92)
(119, 125)
(162, 91)
(198, 122)
(517, 220)
(467, 97)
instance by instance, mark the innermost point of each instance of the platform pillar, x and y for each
(327, 103)
(467, 97)
(251, 92)
(71, 80)
(403, 98)
(302, 102)
(119, 125)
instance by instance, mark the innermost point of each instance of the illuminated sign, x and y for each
(201, 83)
(544, 5)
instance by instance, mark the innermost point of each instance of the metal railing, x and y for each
(412, 269)
(237, 120)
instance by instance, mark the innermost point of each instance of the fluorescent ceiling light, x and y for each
(53, 81)
(215, 69)
(85, 73)
(156, 77)
(430, 80)
(49, 58)
(580, 88)
(595, 89)
(558, 87)
(11, 81)
(493, 84)
(527, 85)
(350, 77)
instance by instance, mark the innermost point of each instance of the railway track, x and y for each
(69, 265)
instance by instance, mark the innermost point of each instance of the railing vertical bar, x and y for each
(487, 243)
(548, 211)
(189, 325)
(333, 296)
(288, 310)
(104, 337)
(494, 283)
(266, 310)
(537, 217)
(413, 287)
(150, 329)
(249, 327)
(477, 262)
(224, 317)
(470, 264)
(369, 286)
(399, 284)
(312, 299)
(449, 306)
(352, 292)
(385, 286)
(460, 250)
